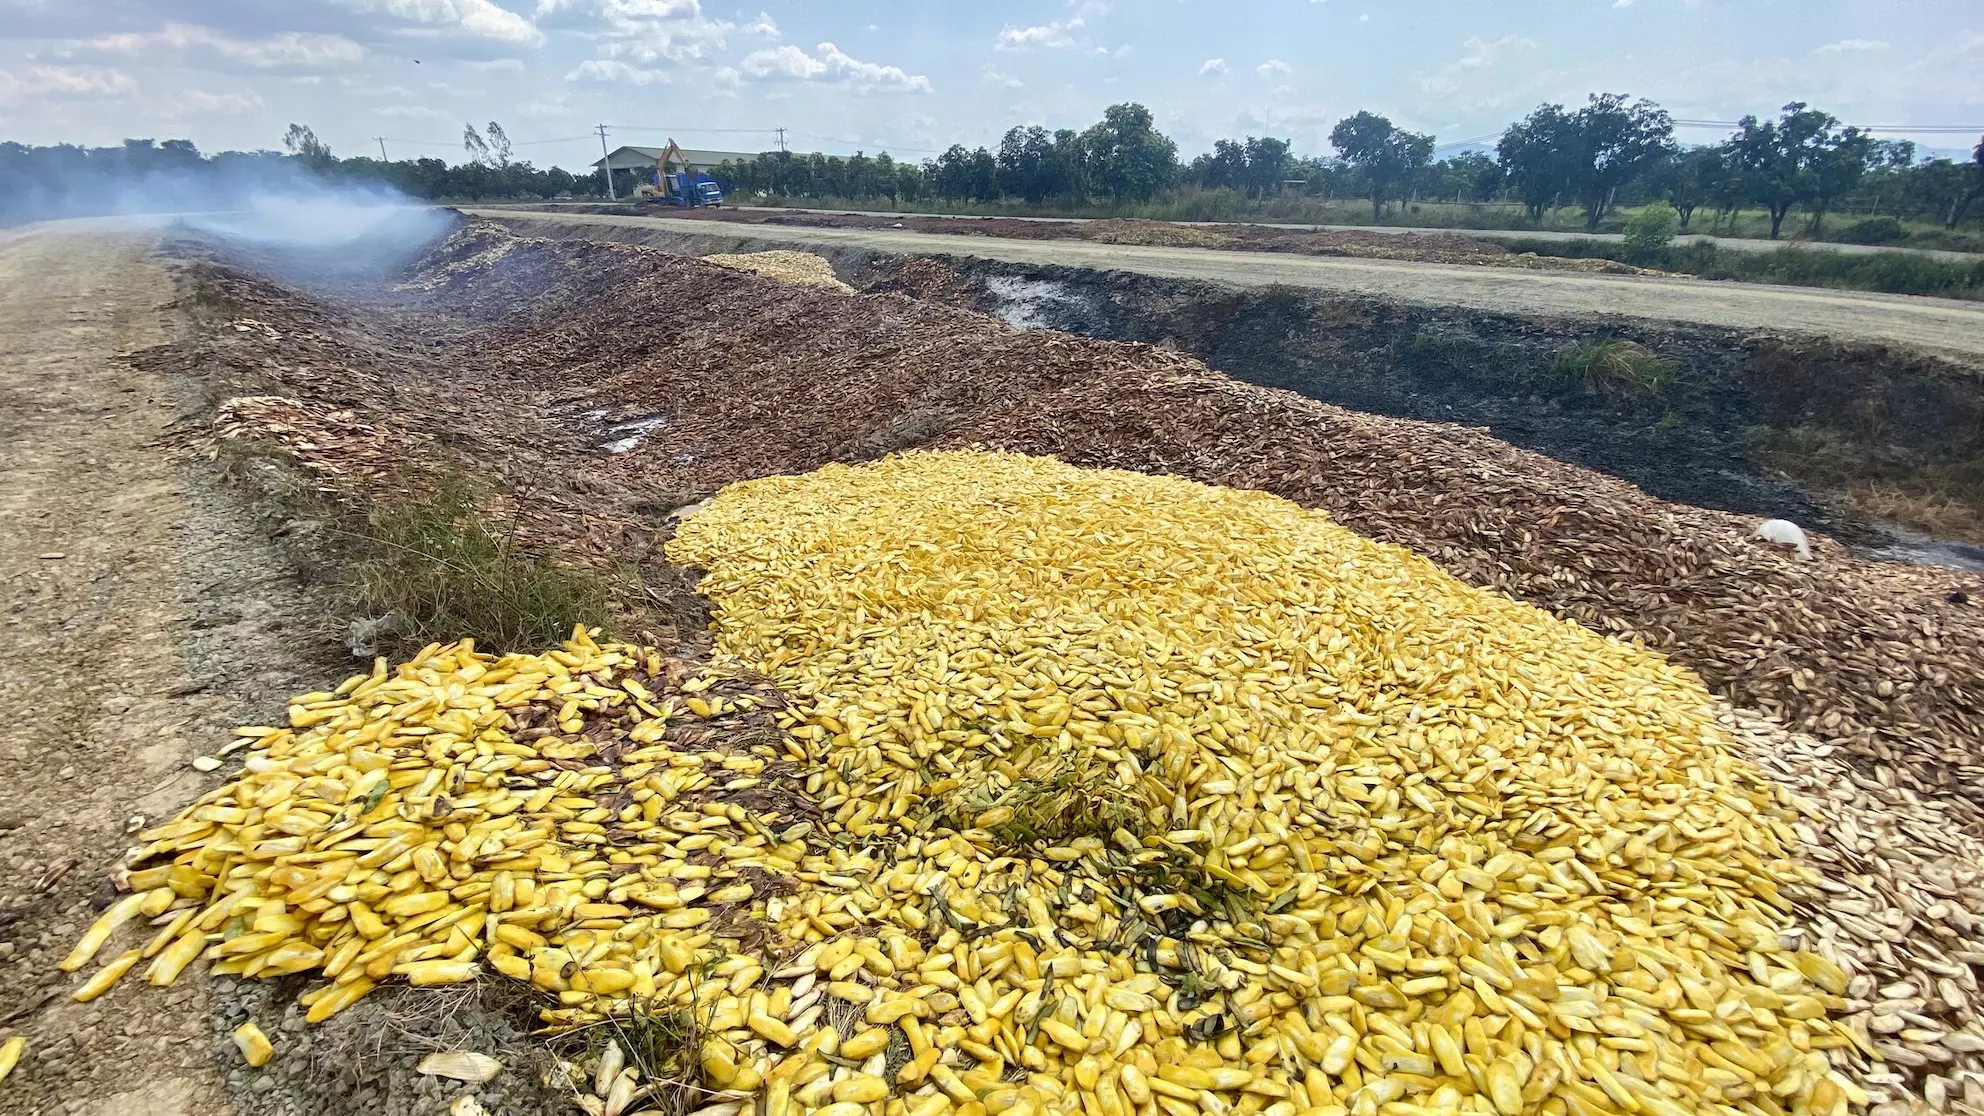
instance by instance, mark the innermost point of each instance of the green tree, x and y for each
(1128, 156)
(1534, 154)
(1649, 231)
(1691, 179)
(1837, 161)
(950, 173)
(1223, 168)
(499, 144)
(1267, 165)
(1611, 143)
(304, 144)
(1388, 155)
(1803, 156)
(1025, 164)
(476, 147)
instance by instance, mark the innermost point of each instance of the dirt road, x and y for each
(144, 619)
(1729, 243)
(1937, 325)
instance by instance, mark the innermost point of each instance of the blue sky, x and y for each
(911, 77)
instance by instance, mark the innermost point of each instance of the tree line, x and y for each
(143, 175)
(1611, 151)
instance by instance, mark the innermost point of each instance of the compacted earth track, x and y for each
(145, 617)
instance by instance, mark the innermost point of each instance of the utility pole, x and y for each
(606, 164)
(781, 139)
(382, 149)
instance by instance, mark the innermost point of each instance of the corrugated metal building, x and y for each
(642, 158)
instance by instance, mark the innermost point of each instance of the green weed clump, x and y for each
(1625, 371)
(433, 568)
(1649, 232)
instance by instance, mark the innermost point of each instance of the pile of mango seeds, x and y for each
(1098, 793)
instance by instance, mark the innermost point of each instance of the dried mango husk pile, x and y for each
(1185, 799)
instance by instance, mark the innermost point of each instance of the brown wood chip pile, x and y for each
(1878, 658)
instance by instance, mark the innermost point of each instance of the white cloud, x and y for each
(1845, 45)
(1274, 67)
(415, 112)
(65, 82)
(643, 33)
(994, 77)
(198, 102)
(1213, 66)
(1624, 3)
(206, 46)
(1038, 36)
(1478, 54)
(613, 70)
(830, 64)
(785, 61)
(480, 19)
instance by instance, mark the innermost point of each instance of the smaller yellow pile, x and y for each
(803, 268)
(523, 809)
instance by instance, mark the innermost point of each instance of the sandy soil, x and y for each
(143, 620)
(1936, 325)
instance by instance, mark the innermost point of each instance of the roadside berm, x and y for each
(1253, 756)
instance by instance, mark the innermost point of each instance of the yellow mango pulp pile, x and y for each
(1153, 797)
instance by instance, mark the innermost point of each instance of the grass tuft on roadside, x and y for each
(432, 568)
(1625, 371)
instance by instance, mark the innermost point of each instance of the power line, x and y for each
(695, 131)
(1917, 129)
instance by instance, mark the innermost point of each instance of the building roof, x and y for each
(642, 158)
